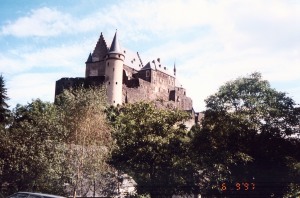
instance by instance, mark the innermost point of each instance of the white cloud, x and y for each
(40, 22)
(61, 57)
(211, 41)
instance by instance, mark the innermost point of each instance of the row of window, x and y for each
(109, 83)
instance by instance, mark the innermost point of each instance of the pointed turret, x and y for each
(174, 69)
(90, 59)
(115, 46)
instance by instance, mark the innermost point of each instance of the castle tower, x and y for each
(114, 72)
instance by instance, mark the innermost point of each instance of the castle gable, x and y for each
(100, 50)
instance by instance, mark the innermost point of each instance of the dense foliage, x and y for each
(248, 135)
(88, 142)
(248, 138)
(59, 149)
(32, 151)
(152, 148)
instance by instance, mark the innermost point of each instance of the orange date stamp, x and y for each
(238, 186)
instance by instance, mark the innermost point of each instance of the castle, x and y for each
(128, 79)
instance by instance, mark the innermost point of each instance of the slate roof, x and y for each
(132, 60)
(115, 46)
(90, 58)
(155, 65)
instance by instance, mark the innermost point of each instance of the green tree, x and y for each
(32, 151)
(247, 135)
(4, 111)
(88, 143)
(152, 148)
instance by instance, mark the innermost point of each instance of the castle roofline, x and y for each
(156, 66)
(132, 60)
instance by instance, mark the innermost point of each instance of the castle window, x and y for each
(119, 56)
(107, 64)
(114, 101)
(116, 83)
(109, 83)
(147, 73)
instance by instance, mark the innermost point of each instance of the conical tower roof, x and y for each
(90, 59)
(115, 46)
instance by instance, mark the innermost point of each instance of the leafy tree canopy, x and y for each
(247, 134)
(88, 142)
(152, 148)
(31, 152)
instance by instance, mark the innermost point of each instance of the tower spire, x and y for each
(115, 46)
(174, 69)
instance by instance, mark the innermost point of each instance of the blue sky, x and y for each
(211, 41)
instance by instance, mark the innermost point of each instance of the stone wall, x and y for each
(71, 83)
(95, 68)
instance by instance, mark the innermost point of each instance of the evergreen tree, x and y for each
(4, 111)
